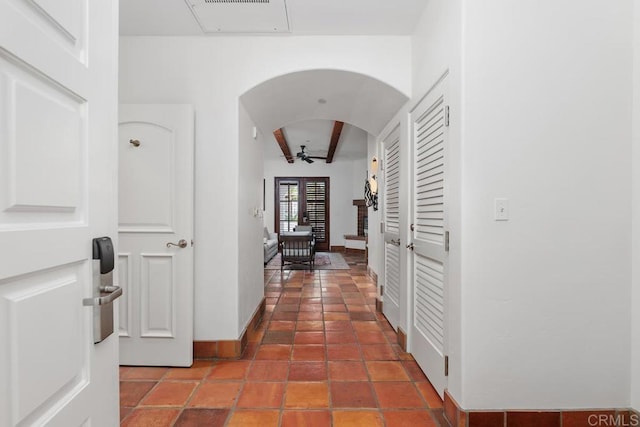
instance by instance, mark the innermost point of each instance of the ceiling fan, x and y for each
(303, 155)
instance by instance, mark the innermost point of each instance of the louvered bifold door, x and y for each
(317, 210)
(428, 262)
(391, 210)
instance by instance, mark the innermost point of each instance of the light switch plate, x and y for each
(502, 209)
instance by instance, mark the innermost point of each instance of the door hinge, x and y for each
(446, 366)
(381, 290)
(413, 227)
(446, 241)
(446, 115)
(382, 227)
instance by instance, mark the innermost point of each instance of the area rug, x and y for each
(324, 261)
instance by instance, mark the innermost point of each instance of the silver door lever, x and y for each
(181, 244)
(113, 292)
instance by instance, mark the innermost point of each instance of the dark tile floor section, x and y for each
(321, 357)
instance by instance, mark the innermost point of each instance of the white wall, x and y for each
(635, 322)
(359, 174)
(211, 73)
(250, 231)
(346, 183)
(547, 124)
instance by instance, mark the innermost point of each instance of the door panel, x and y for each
(148, 170)
(391, 212)
(156, 208)
(54, 150)
(124, 279)
(157, 302)
(26, 299)
(429, 217)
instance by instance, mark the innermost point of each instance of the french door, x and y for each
(303, 201)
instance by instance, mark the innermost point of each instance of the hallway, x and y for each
(321, 357)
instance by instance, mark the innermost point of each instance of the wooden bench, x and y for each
(297, 248)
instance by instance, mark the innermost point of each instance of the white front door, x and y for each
(429, 136)
(58, 106)
(155, 261)
(391, 215)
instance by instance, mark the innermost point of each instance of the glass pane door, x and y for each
(288, 206)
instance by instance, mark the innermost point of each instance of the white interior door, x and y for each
(156, 231)
(391, 212)
(429, 135)
(58, 106)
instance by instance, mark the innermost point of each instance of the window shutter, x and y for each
(316, 198)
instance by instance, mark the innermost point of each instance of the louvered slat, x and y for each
(392, 273)
(392, 186)
(429, 174)
(429, 300)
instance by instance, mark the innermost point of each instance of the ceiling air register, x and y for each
(240, 16)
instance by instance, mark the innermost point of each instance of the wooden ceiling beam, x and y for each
(335, 137)
(282, 142)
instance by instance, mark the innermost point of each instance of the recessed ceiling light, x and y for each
(322, 101)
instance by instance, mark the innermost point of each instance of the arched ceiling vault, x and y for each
(298, 103)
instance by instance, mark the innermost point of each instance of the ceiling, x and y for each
(295, 17)
(323, 94)
(359, 101)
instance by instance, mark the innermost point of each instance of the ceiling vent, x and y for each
(253, 16)
(236, 1)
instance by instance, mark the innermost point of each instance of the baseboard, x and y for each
(597, 417)
(402, 339)
(354, 251)
(337, 248)
(373, 275)
(229, 349)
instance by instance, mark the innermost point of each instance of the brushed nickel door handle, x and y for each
(182, 244)
(112, 293)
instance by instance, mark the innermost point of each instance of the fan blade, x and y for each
(308, 160)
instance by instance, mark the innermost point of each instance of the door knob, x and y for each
(182, 244)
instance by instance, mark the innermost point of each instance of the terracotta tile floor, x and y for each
(321, 357)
